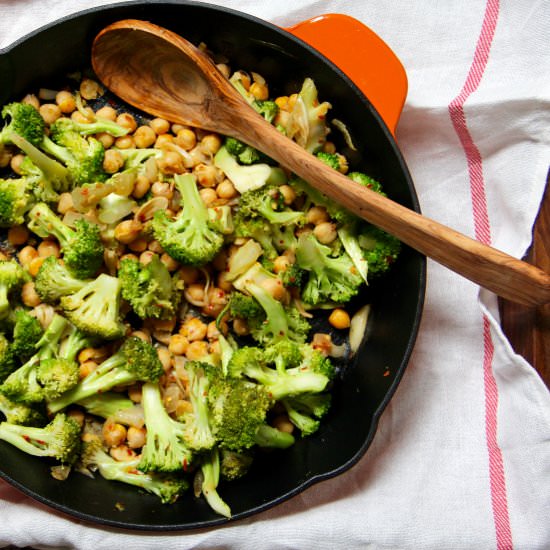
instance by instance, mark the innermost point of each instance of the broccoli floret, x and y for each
(247, 178)
(234, 464)
(189, 238)
(21, 413)
(380, 249)
(16, 199)
(268, 202)
(165, 448)
(135, 361)
(56, 376)
(238, 409)
(65, 125)
(210, 473)
(27, 332)
(330, 159)
(94, 309)
(279, 322)
(82, 247)
(284, 369)
(366, 181)
(12, 277)
(167, 487)
(307, 122)
(82, 157)
(8, 362)
(24, 120)
(113, 405)
(54, 280)
(149, 288)
(245, 306)
(267, 108)
(134, 158)
(256, 228)
(33, 382)
(272, 438)
(53, 176)
(198, 433)
(306, 410)
(329, 278)
(244, 153)
(60, 439)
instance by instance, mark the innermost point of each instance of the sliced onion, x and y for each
(345, 132)
(132, 416)
(358, 327)
(115, 207)
(60, 472)
(147, 210)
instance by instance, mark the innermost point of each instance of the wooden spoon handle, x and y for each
(501, 273)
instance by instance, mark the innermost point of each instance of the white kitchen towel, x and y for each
(461, 458)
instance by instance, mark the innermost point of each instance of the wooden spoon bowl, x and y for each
(163, 74)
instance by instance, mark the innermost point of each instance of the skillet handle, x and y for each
(363, 56)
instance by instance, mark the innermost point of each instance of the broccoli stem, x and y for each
(210, 468)
(191, 199)
(31, 440)
(275, 313)
(45, 222)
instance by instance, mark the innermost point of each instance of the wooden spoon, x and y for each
(163, 74)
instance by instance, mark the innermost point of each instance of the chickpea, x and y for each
(66, 101)
(82, 118)
(128, 230)
(146, 257)
(214, 348)
(212, 331)
(136, 437)
(48, 247)
(224, 69)
(65, 203)
(134, 393)
(182, 407)
(223, 283)
(282, 102)
(26, 255)
(283, 424)
(281, 264)
(107, 112)
(5, 158)
(155, 246)
(113, 433)
(292, 101)
(92, 353)
(208, 196)
(165, 357)
(171, 162)
(275, 287)
(163, 140)
(339, 318)
(138, 245)
(125, 142)
(226, 190)
(126, 120)
(194, 329)
(196, 350)
(259, 90)
(144, 137)
(186, 139)
(15, 163)
(90, 89)
(289, 195)
(317, 215)
(215, 302)
(178, 344)
(18, 235)
(240, 327)
(34, 266)
(141, 187)
(78, 415)
(31, 99)
(113, 161)
(162, 189)
(122, 453)
(171, 264)
(210, 144)
(160, 126)
(144, 334)
(190, 275)
(343, 166)
(50, 112)
(107, 140)
(207, 175)
(329, 147)
(325, 232)
(87, 367)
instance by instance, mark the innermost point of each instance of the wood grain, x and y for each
(528, 328)
(163, 74)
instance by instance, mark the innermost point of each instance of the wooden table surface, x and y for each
(528, 328)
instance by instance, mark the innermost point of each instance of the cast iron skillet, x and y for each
(365, 384)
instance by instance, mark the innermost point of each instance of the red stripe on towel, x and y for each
(482, 230)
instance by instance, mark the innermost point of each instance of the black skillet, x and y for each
(366, 382)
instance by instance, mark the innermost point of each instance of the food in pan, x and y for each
(158, 285)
